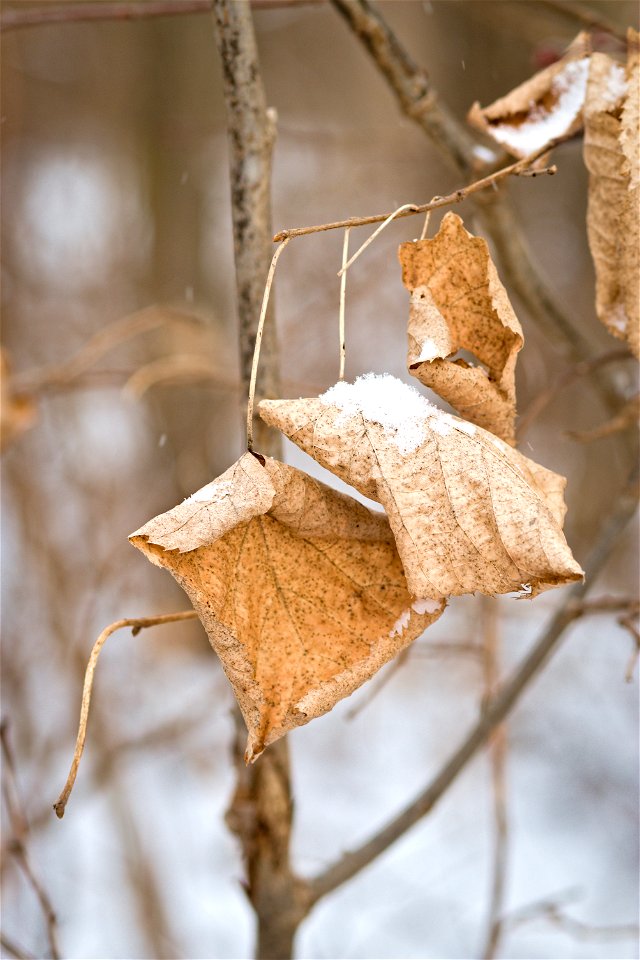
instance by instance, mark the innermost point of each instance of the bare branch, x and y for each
(566, 378)
(261, 811)
(17, 18)
(498, 759)
(251, 133)
(410, 83)
(627, 417)
(18, 843)
(515, 169)
(12, 947)
(580, 13)
(137, 624)
(499, 708)
(552, 911)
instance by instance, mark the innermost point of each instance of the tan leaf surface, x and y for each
(611, 156)
(543, 108)
(300, 589)
(458, 301)
(469, 513)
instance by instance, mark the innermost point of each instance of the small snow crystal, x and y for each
(215, 490)
(570, 87)
(400, 624)
(617, 317)
(426, 606)
(617, 86)
(429, 351)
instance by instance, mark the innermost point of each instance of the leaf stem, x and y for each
(137, 623)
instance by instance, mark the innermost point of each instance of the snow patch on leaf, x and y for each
(543, 124)
(426, 606)
(398, 408)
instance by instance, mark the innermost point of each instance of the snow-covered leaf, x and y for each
(543, 108)
(458, 301)
(300, 589)
(469, 513)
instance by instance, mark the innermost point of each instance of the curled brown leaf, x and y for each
(300, 589)
(458, 302)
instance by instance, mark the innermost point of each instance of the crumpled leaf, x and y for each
(300, 589)
(18, 411)
(611, 152)
(543, 108)
(458, 301)
(469, 513)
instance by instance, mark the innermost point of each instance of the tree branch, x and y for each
(579, 13)
(17, 18)
(519, 168)
(261, 811)
(251, 134)
(410, 83)
(500, 706)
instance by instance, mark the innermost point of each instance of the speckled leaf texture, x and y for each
(611, 152)
(469, 513)
(458, 301)
(543, 108)
(300, 589)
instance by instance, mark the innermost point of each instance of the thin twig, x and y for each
(411, 209)
(343, 285)
(568, 376)
(625, 418)
(17, 18)
(551, 910)
(256, 350)
(107, 339)
(376, 233)
(410, 84)
(18, 952)
(18, 843)
(579, 13)
(498, 758)
(510, 692)
(137, 624)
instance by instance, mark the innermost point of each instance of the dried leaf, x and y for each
(299, 588)
(458, 301)
(544, 108)
(611, 156)
(18, 410)
(469, 513)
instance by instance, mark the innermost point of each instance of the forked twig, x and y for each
(411, 209)
(376, 233)
(137, 624)
(18, 845)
